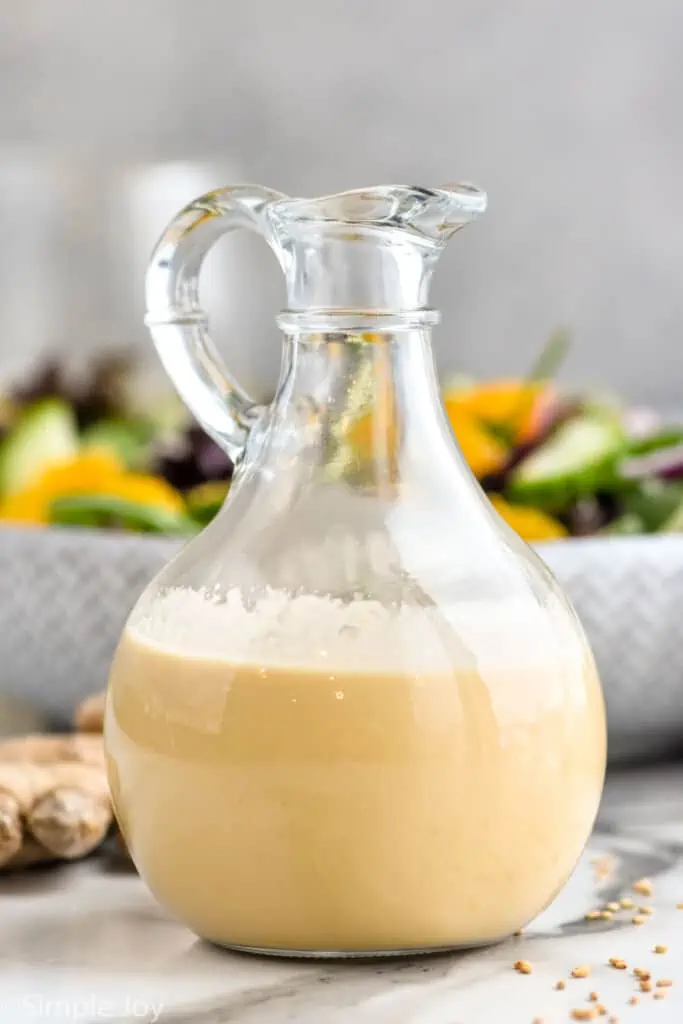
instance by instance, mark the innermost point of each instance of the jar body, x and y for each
(355, 715)
(413, 800)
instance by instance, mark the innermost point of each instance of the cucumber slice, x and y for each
(127, 440)
(654, 502)
(662, 440)
(101, 510)
(628, 525)
(578, 459)
(206, 500)
(44, 434)
(674, 523)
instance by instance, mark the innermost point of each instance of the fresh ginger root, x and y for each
(60, 748)
(31, 853)
(54, 798)
(89, 720)
(73, 816)
(89, 715)
(19, 785)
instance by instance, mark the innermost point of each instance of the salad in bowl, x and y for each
(554, 463)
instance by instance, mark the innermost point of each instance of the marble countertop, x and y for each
(87, 943)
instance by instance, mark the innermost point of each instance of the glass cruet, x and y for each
(356, 715)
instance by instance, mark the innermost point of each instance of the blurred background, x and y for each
(114, 115)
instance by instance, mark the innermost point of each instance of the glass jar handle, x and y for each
(178, 324)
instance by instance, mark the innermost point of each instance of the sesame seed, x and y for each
(643, 887)
(523, 967)
(646, 986)
(660, 995)
(592, 915)
(633, 1001)
(583, 1014)
(606, 915)
(627, 903)
(581, 972)
(646, 910)
(642, 974)
(617, 963)
(602, 1010)
(639, 919)
(604, 863)
(664, 983)
(614, 907)
(660, 949)
(593, 997)
(560, 985)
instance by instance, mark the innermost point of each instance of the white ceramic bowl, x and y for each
(628, 592)
(65, 596)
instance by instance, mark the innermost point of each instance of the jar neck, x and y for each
(368, 270)
(363, 406)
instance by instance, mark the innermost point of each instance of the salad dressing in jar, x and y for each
(356, 715)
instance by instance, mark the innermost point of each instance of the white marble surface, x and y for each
(87, 943)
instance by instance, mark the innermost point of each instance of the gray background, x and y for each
(569, 114)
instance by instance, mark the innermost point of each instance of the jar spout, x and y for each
(430, 213)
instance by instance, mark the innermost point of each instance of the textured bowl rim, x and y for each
(640, 540)
(109, 536)
(91, 534)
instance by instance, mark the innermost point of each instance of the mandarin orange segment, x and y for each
(517, 406)
(530, 523)
(483, 452)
